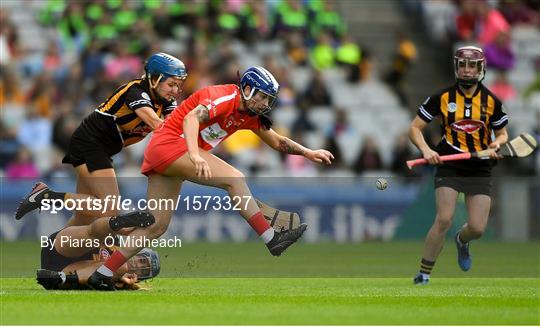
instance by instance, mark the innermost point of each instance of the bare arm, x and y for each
(191, 132)
(281, 143)
(501, 137)
(416, 136)
(149, 117)
(286, 145)
(191, 127)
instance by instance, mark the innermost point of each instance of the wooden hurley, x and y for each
(519, 147)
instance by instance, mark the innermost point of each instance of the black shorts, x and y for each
(52, 260)
(94, 142)
(469, 182)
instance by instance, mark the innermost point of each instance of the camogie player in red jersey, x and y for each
(178, 151)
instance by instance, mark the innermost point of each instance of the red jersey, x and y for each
(222, 102)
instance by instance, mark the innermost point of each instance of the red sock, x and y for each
(116, 260)
(258, 223)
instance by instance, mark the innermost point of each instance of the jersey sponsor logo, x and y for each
(467, 125)
(452, 107)
(232, 121)
(213, 134)
(145, 96)
(140, 130)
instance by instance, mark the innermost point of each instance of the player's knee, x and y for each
(156, 230)
(476, 231)
(443, 223)
(235, 180)
(237, 175)
(93, 214)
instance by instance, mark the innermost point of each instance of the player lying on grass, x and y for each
(179, 151)
(69, 256)
(133, 111)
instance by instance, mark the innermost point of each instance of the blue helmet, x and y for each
(164, 65)
(261, 80)
(145, 264)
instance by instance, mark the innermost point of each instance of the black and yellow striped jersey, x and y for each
(97, 252)
(466, 122)
(123, 103)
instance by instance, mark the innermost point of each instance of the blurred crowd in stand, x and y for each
(82, 50)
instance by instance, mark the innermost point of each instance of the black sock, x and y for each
(71, 282)
(72, 277)
(426, 266)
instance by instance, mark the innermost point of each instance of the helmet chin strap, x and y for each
(152, 85)
(159, 98)
(467, 83)
(250, 111)
(245, 100)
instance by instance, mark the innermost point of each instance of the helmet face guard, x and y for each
(145, 264)
(469, 57)
(260, 81)
(272, 101)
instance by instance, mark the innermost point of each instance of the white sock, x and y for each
(63, 276)
(268, 235)
(105, 271)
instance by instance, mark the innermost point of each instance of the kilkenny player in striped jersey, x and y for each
(70, 255)
(133, 111)
(471, 119)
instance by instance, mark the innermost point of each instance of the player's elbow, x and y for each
(155, 123)
(275, 141)
(413, 130)
(190, 119)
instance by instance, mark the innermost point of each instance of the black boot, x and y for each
(282, 240)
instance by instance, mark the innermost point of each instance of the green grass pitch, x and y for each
(314, 284)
